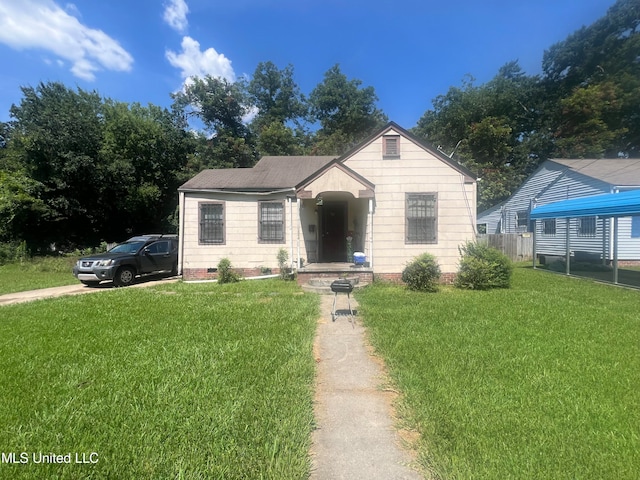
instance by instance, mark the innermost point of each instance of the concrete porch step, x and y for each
(322, 285)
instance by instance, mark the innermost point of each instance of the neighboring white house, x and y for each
(563, 179)
(392, 198)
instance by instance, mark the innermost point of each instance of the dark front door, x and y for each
(334, 232)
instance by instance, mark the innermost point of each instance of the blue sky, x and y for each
(410, 52)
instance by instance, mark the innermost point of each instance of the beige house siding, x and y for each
(416, 171)
(241, 244)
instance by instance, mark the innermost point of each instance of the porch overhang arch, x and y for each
(336, 177)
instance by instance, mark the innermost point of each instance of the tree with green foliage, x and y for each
(494, 130)
(593, 66)
(56, 139)
(78, 169)
(222, 107)
(347, 113)
(22, 211)
(590, 122)
(587, 104)
(143, 154)
(280, 109)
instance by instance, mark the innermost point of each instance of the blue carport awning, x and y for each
(621, 204)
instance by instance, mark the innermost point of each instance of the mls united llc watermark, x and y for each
(40, 457)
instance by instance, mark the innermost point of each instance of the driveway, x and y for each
(77, 289)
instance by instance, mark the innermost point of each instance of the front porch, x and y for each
(336, 209)
(319, 276)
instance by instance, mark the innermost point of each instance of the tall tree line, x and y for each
(586, 104)
(76, 168)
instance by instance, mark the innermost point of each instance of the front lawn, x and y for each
(537, 382)
(170, 381)
(35, 273)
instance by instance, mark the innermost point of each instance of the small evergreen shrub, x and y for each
(483, 267)
(422, 274)
(225, 273)
(285, 270)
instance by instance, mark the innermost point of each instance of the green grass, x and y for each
(171, 381)
(39, 272)
(540, 381)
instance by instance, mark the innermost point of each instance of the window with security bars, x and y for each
(549, 226)
(212, 223)
(522, 220)
(587, 226)
(421, 218)
(271, 222)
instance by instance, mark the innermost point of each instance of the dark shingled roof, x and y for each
(269, 173)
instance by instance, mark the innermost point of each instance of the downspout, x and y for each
(568, 245)
(299, 228)
(535, 238)
(290, 230)
(181, 232)
(612, 232)
(615, 250)
(370, 233)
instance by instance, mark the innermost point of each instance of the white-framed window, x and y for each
(522, 220)
(211, 220)
(271, 222)
(391, 146)
(421, 218)
(587, 226)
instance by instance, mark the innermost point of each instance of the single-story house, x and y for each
(564, 179)
(392, 197)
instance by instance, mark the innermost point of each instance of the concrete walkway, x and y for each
(355, 436)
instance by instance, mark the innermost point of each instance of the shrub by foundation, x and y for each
(225, 273)
(422, 273)
(482, 268)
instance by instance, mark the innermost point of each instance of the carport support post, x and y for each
(535, 237)
(568, 245)
(615, 249)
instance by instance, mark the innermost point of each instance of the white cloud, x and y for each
(175, 14)
(42, 24)
(72, 9)
(194, 63)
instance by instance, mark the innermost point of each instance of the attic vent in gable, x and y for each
(391, 146)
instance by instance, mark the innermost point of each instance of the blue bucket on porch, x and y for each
(359, 258)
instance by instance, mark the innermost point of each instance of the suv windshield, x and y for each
(127, 247)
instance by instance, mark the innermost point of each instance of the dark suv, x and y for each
(137, 256)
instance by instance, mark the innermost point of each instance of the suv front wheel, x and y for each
(124, 277)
